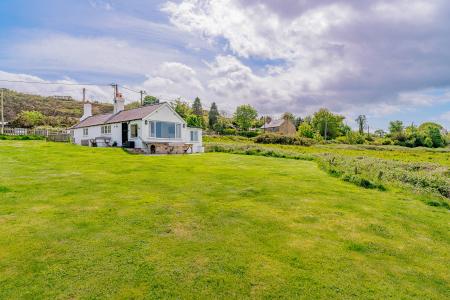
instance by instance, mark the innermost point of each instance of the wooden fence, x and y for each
(27, 131)
(49, 134)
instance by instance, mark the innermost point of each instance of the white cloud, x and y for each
(256, 30)
(88, 54)
(62, 87)
(173, 80)
(352, 57)
(406, 10)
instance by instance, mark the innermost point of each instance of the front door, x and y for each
(124, 133)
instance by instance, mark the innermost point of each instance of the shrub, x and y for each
(271, 138)
(248, 134)
(229, 131)
(21, 137)
(306, 130)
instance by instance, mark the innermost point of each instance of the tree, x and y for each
(197, 107)
(150, 100)
(298, 121)
(306, 130)
(222, 125)
(213, 115)
(380, 132)
(194, 121)
(362, 122)
(289, 116)
(396, 127)
(430, 124)
(244, 116)
(433, 135)
(29, 119)
(328, 124)
(182, 108)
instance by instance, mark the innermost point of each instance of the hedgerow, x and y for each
(270, 138)
(21, 137)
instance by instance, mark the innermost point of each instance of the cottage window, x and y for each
(85, 131)
(134, 130)
(165, 130)
(194, 136)
(106, 129)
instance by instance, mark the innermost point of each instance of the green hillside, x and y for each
(16, 102)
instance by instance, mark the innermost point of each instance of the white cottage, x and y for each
(155, 129)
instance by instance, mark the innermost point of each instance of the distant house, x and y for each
(281, 126)
(153, 129)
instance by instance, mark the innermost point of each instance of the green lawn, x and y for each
(99, 223)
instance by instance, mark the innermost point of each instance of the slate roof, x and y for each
(273, 123)
(121, 116)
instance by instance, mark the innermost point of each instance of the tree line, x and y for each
(321, 126)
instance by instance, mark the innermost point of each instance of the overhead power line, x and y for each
(131, 90)
(52, 83)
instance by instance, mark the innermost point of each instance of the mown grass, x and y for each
(98, 223)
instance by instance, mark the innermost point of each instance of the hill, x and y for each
(69, 110)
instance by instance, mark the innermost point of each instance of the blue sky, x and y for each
(388, 60)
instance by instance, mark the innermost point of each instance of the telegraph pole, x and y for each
(3, 119)
(326, 128)
(84, 95)
(142, 97)
(116, 90)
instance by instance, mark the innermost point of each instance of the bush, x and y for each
(21, 137)
(248, 134)
(306, 130)
(386, 141)
(229, 131)
(255, 150)
(270, 138)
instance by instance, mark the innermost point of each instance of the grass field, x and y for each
(99, 223)
(425, 155)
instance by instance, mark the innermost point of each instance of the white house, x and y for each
(154, 129)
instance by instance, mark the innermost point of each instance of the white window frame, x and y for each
(106, 129)
(194, 136)
(152, 130)
(131, 131)
(85, 131)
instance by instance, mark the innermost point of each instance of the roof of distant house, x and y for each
(121, 116)
(273, 123)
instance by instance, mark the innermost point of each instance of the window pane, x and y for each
(178, 131)
(134, 130)
(152, 129)
(158, 129)
(167, 130)
(171, 130)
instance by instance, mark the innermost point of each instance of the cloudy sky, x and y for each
(388, 59)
